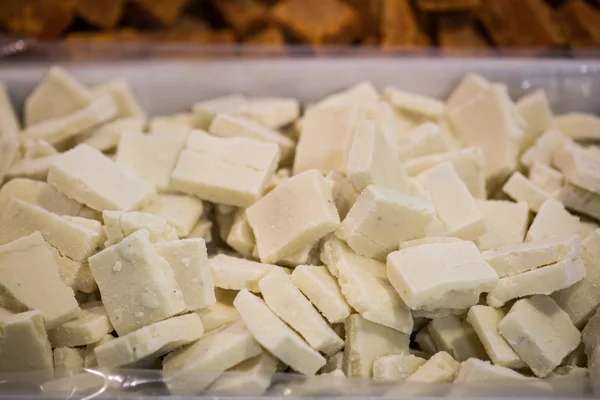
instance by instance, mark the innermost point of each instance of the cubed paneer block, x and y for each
(221, 313)
(546, 178)
(119, 224)
(232, 171)
(552, 220)
(396, 367)
(428, 240)
(579, 126)
(145, 345)
(544, 148)
(469, 87)
(235, 273)
(540, 332)
(456, 337)
(138, 286)
(106, 137)
(121, 92)
(90, 178)
(274, 112)
(414, 103)
(249, 378)
(580, 167)
(38, 194)
(30, 280)
(425, 341)
(426, 139)
(381, 218)
(365, 286)
(67, 360)
(440, 275)
(295, 214)
(366, 341)
(205, 111)
(520, 188)
(439, 368)
(361, 93)
(240, 236)
(505, 223)
(343, 192)
(535, 109)
(180, 211)
(474, 370)
(580, 200)
(91, 325)
(275, 336)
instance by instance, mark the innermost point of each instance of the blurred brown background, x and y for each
(449, 24)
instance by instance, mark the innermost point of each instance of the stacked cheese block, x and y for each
(373, 239)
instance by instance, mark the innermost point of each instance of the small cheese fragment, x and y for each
(189, 261)
(363, 92)
(364, 285)
(579, 126)
(544, 148)
(202, 230)
(396, 367)
(121, 92)
(425, 341)
(552, 220)
(386, 121)
(275, 336)
(469, 87)
(9, 129)
(485, 321)
(456, 337)
(308, 255)
(289, 304)
(88, 177)
(273, 112)
(426, 139)
(381, 217)
(90, 326)
(67, 360)
(205, 111)
(228, 126)
(366, 341)
(232, 171)
(39, 194)
(24, 345)
(57, 95)
(343, 192)
(292, 216)
(535, 109)
(150, 157)
(235, 273)
(180, 211)
(580, 167)
(546, 178)
(326, 138)
(474, 370)
(414, 103)
(513, 260)
(119, 224)
(427, 240)
(439, 368)
(520, 188)
(440, 275)
(249, 378)
(322, 289)
(106, 137)
(334, 363)
(90, 355)
(545, 280)
(176, 124)
(36, 168)
(191, 369)
(540, 332)
(221, 313)
(505, 223)
(372, 161)
(29, 280)
(137, 285)
(36, 148)
(580, 200)
(240, 236)
(150, 342)
(59, 129)
(582, 299)
(454, 204)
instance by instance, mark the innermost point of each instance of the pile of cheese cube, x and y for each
(379, 235)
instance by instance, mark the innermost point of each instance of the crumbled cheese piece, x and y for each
(363, 92)
(579, 126)
(522, 189)
(180, 211)
(68, 360)
(205, 111)
(426, 139)
(456, 337)
(177, 124)
(343, 192)
(90, 326)
(540, 332)
(202, 230)
(439, 368)
(273, 112)
(580, 200)
(535, 109)
(249, 378)
(334, 363)
(544, 148)
(396, 367)
(39, 194)
(118, 225)
(122, 94)
(580, 167)
(106, 137)
(552, 220)
(414, 103)
(546, 178)
(219, 314)
(240, 236)
(474, 370)
(469, 87)
(235, 273)
(505, 222)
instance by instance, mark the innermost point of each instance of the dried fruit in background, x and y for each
(459, 31)
(369, 11)
(580, 23)
(103, 13)
(42, 19)
(446, 5)
(244, 16)
(163, 12)
(399, 26)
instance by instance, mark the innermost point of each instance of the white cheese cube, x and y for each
(439, 368)
(180, 211)
(544, 148)
(425, 341)
(386, 120)
(36, 168)
(545, 280)
(426, 139)
(39, 194)
(67, 360)
(366, 341)
(440, 275)
(414, 103)
(189, 262)
(9, 128)
(122, 94)
(30, 281)
(137, 285)
(579, 126)
(454, 204)
(106, 137)
(294, 215)
(150, 157)
(176, 124)
(219, 314)
(469, 87)
(307, 256)
(580, 167)
(372, 161)
(552, 220)
(235, 273)
(232, 171)
(381, 217)
(205, 111)
(474, 370)
(364, 285)
(396, 367)
(289, 304)
(485, 321)
(57, 95)
(229, 126)
(89, 354)
(90, 326)
(487, 121)
(546, 178)
(191, 369)
(326, 138)
(363, 92)
(540, 332)
(202, 230)
(343, 192)
(520, 188)
(24, 345)
(535, 109)
(582, 299)
(118, 225)
(505, 223)
(275, 336)
(456, 337)
(150, 342)
(87, 176)
(274, 112)
(513, 260)
(322, 289)
(249, 378)
(580, 200)
(240, 236)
